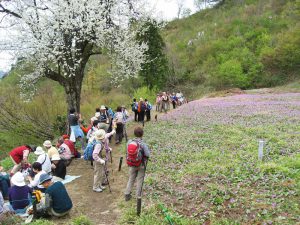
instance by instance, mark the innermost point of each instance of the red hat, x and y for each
(65, 136)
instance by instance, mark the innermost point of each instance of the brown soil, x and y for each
(100, 208)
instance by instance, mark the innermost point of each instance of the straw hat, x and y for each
(99, 134)
(18, 179)
(39, 150)
(47, 144)
(102, 107)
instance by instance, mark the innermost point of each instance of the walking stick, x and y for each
(120, 163)
(139, 198)
(106, 176)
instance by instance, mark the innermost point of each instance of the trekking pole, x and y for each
(120, 163)
(139, 198)
(106, 176)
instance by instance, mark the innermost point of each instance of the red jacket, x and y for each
(71, 146)
(17, 153)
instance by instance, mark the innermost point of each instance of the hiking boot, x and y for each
(127, 197)
(97, 190)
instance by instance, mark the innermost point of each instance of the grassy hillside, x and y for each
(205, 169)
(246, 44)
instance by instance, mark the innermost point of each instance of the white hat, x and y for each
(99, 134)
(39, 150)
(102, 107)
(18, 179)
(47, 144)
(55, 157)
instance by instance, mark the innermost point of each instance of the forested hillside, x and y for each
(245, 44)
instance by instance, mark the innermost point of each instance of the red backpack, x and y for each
(134, 154)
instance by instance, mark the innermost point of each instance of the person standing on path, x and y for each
(134, 108)
(141, 111)
(148, 110)
(76, 131)
(102, 140)
(136, 157)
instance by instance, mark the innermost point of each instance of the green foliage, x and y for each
(245, 44)
(42, 222)
(230, 74)
(81, 220)
(145, 93)
(154, 70)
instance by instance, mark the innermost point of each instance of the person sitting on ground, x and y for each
(136, 168)
(70, 144)
(19, 156)
(102, 139)
(43, 159)
(64, 152)
(34, 182)
(104, 119)
(4, 183)
(4, 208)
(19, 193)
(51, 150)
(59, 169)
(57, 200)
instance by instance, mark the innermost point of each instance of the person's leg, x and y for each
(140, 180)
(4, 187)
(16, 167)
(97, 175)
(132, 177)
(135, 116)
(53, 213)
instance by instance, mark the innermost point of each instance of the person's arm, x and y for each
(145, 150)
(33, 182)
(25, 155)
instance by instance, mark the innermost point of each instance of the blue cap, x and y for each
(44, 177)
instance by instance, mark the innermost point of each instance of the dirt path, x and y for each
(100, 208)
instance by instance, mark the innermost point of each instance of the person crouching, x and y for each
(57, 200)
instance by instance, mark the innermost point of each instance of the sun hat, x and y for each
(99, 134)
(18, 179)
(47, 144)
(55, 157)
(141, 99)
(39, 150)
(102, 107)
(44, 177)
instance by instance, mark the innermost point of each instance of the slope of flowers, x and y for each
(205, 163)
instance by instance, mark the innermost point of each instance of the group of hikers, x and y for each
(26, 183)
(165, 99)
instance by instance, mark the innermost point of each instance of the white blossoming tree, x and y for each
(59, 36)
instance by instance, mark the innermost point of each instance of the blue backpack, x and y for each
(88, 151)
(149, 106)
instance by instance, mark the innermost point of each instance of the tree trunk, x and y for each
(73, 92)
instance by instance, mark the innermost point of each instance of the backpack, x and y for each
(143, 107)
(149, 106)
(88, 151)
(134, 106)
(134, 155)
